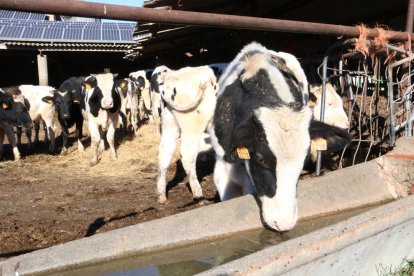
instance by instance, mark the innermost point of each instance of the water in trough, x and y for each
(189, 260)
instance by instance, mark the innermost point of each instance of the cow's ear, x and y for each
(27, 104)
(5, 105)
(312, 100)
(141, 83)
(243, 141)
(48, 99)
(336, 138)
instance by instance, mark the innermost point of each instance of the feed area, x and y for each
(51, 199)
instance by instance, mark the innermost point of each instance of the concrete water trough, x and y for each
(383, 235)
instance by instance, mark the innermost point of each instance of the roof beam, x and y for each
(97, 10)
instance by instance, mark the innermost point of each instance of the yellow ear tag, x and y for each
(243, 153)
(312, 104)
(5, 106)
(123, 84)
(88, 86)
(319, 144)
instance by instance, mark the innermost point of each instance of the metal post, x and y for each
(97, 10)
(409, 29)
(42, 69)
(323, 98)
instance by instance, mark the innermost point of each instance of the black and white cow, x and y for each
(40, 111)
(157, 82)
(66, 100)
(130, 91)
(144, 105)
(262, 130)
(100, 108)
(190, 97)
(13, 112)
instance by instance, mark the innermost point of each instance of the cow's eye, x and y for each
(261, 160)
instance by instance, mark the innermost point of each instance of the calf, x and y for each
(66, 100)
(190, 95)
(13, 112)
(334, 110)
(100, 108)
(144, 106)
(157, 81)
(262, 129)
(40, 110)
(130, 91)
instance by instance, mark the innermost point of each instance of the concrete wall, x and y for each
(357, 186)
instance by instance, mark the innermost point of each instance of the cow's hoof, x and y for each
(93, 163)
(114, 157)
(64, 151)
(81, 148)
(162, 199)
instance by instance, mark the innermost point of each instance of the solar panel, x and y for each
(32, 32)
(53, 33)
(12, 31)
(62, 30)
(73, 34)
(91, 34)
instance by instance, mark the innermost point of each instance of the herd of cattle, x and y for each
(256, 113)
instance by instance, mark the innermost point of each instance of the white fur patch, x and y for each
(287, 133)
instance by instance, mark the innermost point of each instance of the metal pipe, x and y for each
(409, 29)
(323, 98)
(97, 10)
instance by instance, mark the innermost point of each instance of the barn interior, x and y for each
(178, 46)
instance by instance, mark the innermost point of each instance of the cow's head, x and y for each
(63, 101)
(264, 122)
(14, 110)
(334, 110)
(122, 87)
(105, 83)
(157, 78)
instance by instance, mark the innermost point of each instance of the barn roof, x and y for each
(31, 30)
(159, 39)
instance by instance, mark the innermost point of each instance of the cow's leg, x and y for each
(79, 126)
(170, 135)
(110, 137)
(65, 135)
(95, 140)
(102, 142)
(225, 185)
(36, 130)
(2, 132)
(190, 144)
(46, 132)
(51, 133)
(28, 133)
(19, 136)
(12, 141)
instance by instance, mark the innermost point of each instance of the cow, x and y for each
(157, 81)
(262, 131)
(13, 112)
(144, 107)
(190, 96)
(66, 100)
(100, 108)
(334, 110)
(40, 110)
(130, 92)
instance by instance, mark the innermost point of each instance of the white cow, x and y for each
(334, 110)
(40, 110)
(190, 96)
(100, 108)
